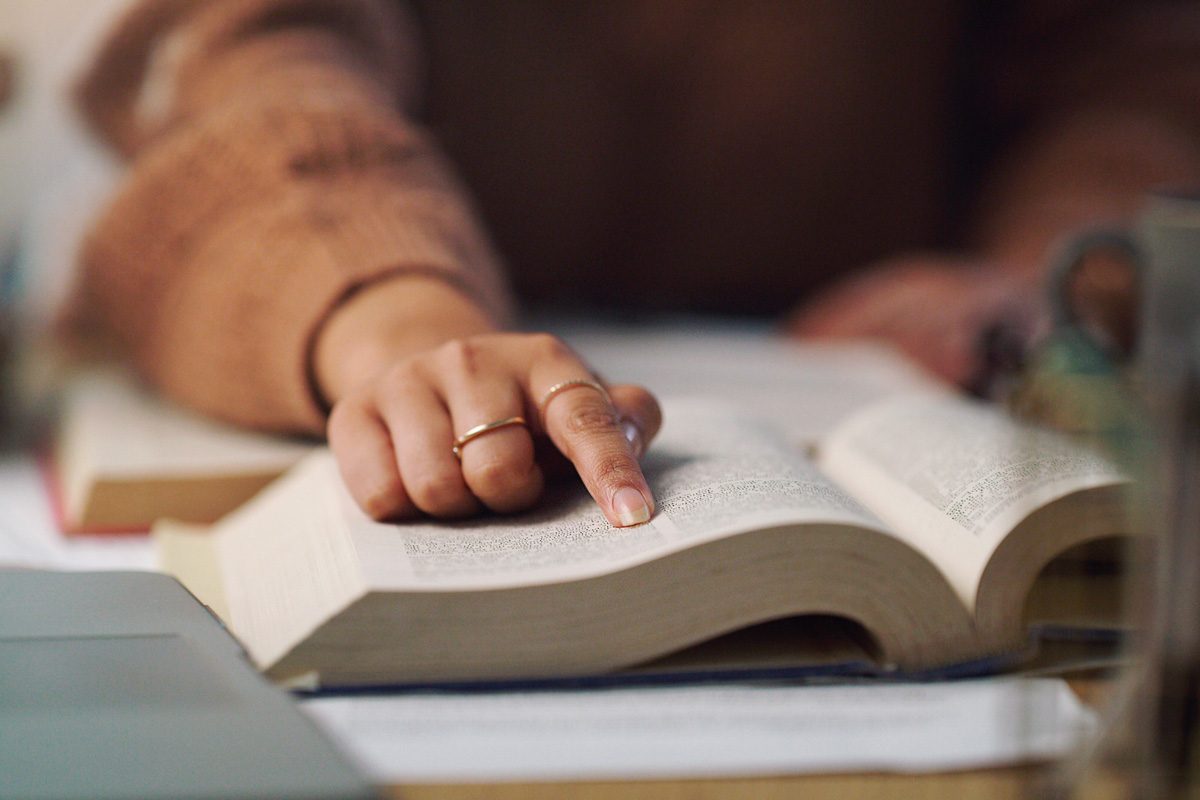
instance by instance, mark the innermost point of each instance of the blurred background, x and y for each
(53, 176)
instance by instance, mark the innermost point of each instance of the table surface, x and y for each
(1010, 782)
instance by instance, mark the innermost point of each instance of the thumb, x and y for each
(639, 413)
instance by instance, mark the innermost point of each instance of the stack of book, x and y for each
(912, 535)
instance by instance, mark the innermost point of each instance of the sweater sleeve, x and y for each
(272, 172)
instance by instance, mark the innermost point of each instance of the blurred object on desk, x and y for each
(8, 335)
(1077, 377)
(1148, 410)
(121, 685)
(1170, 366)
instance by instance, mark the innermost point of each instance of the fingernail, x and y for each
(633, 435)
(630, 507)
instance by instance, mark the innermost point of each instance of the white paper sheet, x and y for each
(717, 731)
(29, 536)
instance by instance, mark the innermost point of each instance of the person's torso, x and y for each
(697, 155)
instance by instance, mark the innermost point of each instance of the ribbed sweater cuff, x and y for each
(248, 351)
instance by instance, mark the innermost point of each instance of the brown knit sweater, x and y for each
(671, 154)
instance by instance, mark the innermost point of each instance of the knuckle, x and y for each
(397, 379)
(496, 477)
(504, 487)
(460, 355)
(435, 493)
(509, 474)
(550, 346)
(340, 418)
(385, 501)
(591, 419)
(615, 468)
(348, 423)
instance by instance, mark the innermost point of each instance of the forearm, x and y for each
(279, 179)
(1090, 169)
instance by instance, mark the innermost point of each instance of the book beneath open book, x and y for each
(925, 520)
(125, 457)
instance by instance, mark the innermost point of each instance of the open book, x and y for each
(925, 520)
(124, 457)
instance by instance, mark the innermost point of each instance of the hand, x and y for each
(400, 408)
(934, 308)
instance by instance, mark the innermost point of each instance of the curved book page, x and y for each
(987, 498)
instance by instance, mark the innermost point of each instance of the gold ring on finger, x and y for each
(485, 428)
(565, 386)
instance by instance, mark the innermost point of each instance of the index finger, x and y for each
(586, 427)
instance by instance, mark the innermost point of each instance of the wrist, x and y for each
(385, 322)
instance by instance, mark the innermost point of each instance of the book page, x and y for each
(953, 476)
(125, 431)
(714, 475)
(802, 388)
(296, 527)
